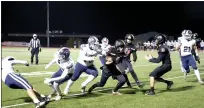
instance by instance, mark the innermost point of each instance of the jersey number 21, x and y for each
(187, 49)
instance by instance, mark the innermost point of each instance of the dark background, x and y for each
(109, 19)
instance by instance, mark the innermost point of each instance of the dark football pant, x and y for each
(104, 78)
(159, 71)
(127, 63)
(34, 51)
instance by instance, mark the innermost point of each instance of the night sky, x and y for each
(103, 18)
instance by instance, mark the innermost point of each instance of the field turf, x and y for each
(184, 93)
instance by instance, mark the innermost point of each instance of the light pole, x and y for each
(48, 24)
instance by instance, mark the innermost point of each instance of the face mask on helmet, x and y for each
(119, 44)
(105, 41)
(129, 41)
(160, 39)
(129, 38)
(120, 49)
(187, 34)
(64, 54)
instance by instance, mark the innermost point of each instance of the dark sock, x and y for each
(118, 86)
(94, 86)
(152, 88)
(37, 95)
(134, 76)
(127, 80)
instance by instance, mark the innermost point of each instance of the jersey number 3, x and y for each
(187, 49)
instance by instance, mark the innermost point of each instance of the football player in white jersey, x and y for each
(85, 63)
(65, 72)
(16, 81)
(105, 48)
(185, 44)
(202, 45)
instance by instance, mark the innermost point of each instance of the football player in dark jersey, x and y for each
(164, 57)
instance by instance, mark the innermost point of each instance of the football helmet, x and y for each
(119, 45)
(187, 34)
(105, 41)
(160, 39)
(129, 38)
(64, 53)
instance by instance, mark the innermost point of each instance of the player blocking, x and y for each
(85, 63)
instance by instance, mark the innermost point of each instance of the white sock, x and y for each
(52, 87)
(56, 86)
(88, 80)
(36, 101)
(69, 84)
(197, 73)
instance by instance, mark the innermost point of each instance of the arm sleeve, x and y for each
(158, 59)
(64, 74)
(134, 55)
(19, 62)
(51, 62)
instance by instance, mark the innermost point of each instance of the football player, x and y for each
(202, 45)
(130, 49)
(194, 49)
(105, 48)
(164, 57)
(65, 72)
(85, 63)
(16, 81)
(185, 44)
(113, 68)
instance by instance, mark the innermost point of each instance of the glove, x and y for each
(27, 64)
(47, 81)
(198, 59)
(28, 48)
(40, 49)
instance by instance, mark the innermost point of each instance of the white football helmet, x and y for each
(105, 41)
(93, 42)
(187, 34)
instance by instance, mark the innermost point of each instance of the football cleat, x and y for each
(150, 92)
(116, 93)
(40, 104)
(201, 82)
(140, 85)
(169, 84)
(83, 89)
(58, 97)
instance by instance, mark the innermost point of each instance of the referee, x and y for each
(35, 44)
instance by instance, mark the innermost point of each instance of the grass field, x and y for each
(184, 93)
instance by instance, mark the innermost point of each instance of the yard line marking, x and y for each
(141, 65)
(73, 95)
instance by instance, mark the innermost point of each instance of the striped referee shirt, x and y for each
(34, 43)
